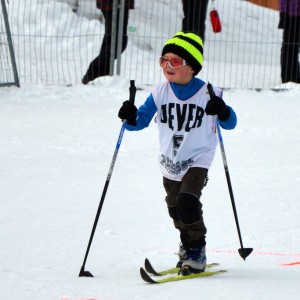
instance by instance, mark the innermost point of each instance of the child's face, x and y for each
(179, 75)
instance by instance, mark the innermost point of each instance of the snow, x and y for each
(57, 144)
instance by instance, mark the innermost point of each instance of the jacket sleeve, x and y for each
(231, 122)
(144, 115)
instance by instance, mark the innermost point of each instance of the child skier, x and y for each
(186, 120)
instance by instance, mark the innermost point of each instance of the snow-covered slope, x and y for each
(56, 148)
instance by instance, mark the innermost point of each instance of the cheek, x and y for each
(183, 72)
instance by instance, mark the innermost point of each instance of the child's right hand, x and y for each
(128, 112)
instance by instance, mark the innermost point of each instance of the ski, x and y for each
(149, 268)
(175, 277)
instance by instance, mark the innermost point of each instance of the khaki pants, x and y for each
(185, 207)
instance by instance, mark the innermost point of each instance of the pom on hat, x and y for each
(188, 46)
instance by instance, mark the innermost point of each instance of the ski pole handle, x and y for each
(132, 91)
(210, 90)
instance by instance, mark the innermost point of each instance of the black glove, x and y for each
(128, 112)
(217, 106)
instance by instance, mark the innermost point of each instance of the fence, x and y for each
(54, 45)
(9, 74)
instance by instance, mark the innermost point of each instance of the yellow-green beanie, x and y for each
(188, 46)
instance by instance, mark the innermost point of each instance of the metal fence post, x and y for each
(10, 47)
(120, 35)
(113, 37)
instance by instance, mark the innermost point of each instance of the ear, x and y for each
(191, 70)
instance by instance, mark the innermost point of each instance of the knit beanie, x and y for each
(188, 46)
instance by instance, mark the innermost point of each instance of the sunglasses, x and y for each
(173, 62)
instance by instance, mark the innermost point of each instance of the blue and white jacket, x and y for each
(183, 92)
(187, 135)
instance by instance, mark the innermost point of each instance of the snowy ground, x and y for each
(56, 148)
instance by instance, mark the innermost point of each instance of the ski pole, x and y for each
(244, 252)
(83, 273)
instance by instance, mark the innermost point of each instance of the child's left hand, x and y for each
(217, 106)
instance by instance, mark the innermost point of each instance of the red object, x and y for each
(215, 21)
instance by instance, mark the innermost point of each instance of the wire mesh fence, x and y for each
(8, 68)
(6, 74)
(55, 41)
